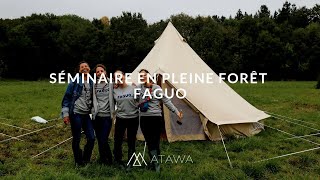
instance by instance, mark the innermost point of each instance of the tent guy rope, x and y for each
(289, 154)
(290, 134)
(10, 136)
(274, 114)
(14, 126)
(225, 148)
(62, 142)
(308, 135)
(297, 123)
(32, 132)
(285, 155)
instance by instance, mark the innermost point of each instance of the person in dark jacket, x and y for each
(76, 107)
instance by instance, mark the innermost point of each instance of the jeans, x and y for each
(79, 122)
(102, 126)
(131, 124)
(151, 130)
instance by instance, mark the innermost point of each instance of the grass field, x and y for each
(21, 100)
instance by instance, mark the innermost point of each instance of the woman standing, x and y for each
(126, 118)
(102, 101)
(76, 107)
(151, 116)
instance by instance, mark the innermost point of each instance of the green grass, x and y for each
(21, 100)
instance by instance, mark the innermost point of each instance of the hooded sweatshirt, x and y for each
(102, 99)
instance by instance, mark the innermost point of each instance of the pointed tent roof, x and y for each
(217, 101)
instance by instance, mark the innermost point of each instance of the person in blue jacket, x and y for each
(76, 107)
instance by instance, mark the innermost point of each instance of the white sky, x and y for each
(151, 10)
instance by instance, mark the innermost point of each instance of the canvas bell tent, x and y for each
(209, 108)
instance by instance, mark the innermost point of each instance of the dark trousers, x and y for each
(102, 127)
(131, 124)
(151, 130)
(79, 122)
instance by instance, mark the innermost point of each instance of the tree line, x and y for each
(285, 44)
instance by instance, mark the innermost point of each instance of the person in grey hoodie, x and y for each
(151, 116)
(101, 112)
(126, 118)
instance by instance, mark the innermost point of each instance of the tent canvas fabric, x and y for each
(207, 105)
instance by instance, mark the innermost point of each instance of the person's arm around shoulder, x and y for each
(111, 100)
(136, 92)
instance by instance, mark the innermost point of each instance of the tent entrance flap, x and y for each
(191, 128)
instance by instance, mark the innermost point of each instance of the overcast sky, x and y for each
(152, 10)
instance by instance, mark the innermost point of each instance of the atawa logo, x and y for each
(138, 159)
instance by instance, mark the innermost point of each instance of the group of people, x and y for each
(100, 99)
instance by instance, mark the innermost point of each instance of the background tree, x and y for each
(286, 45)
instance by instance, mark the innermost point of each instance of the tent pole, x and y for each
(225, 148)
